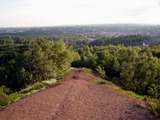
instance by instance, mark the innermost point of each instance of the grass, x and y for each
(8, 99)
(87, 70)
(35, 87)
(152, 103)
(3, 99)
(130, 93)
(15, 97)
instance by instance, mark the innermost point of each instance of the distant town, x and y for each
(91, 32)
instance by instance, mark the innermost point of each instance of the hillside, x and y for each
(77, 99)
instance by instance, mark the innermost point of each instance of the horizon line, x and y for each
(67, 25)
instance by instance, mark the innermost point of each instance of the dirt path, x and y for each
(76, 99)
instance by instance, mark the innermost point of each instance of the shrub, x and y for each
(5, 90)
(153, 90)
(154, 104)
(3, 99)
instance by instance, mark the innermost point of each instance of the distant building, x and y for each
(144, 44)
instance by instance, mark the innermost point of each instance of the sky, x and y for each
(29, 13)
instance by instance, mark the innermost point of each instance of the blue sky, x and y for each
(23, 13)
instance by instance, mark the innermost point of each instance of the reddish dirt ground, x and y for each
(76, 99)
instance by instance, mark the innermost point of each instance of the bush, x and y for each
(153, 90)
(101, 72)
(154, 104)
(5, 90)
(3, 99)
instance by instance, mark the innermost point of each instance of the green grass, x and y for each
(35, 87)
(130, 93)
(14, 97)
(3, 99)
(8, 99)
(152, 103)
(87, 70)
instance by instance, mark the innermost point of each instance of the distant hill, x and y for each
(85, 32)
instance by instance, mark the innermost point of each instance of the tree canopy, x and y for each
(133, 68)
(22, 64)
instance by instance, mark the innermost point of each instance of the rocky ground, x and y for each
(77, 99)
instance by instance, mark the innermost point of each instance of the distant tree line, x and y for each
(129, 40)
(80, 41)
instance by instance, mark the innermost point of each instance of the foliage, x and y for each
(14, 97)
(7, 99)
(154, 104)
(37, 86)
(3, 99)
(33, 61)
(5, 90)
(129, 40)
(133, 68)
(101, 72)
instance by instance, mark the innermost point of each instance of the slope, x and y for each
(76, 99)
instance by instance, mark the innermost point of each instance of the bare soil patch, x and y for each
(77, 99)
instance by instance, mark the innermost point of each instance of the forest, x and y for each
(25, 61)
(133, 68)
